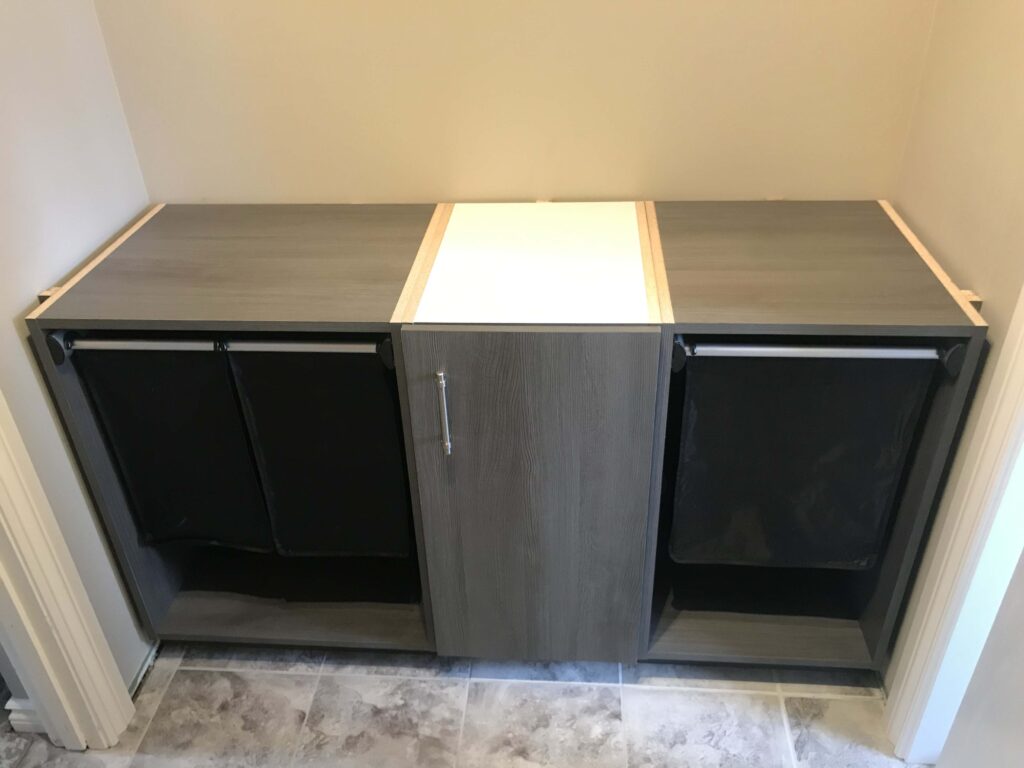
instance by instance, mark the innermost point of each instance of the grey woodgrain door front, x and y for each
(535, 522)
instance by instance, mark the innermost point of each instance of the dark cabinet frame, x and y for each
(668, 634)
(155, 580)
(879, 292)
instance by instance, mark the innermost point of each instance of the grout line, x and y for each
(380, 676)
(623, 730)
(778, 689)
(156, 708)
(462, 724)
(703, 689)
(339, 673)
(305, 717)
(790, 746)
(544, 682)
(305, 673)
(251, 669)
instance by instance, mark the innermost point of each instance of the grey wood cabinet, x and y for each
(535, 522)
(264, 283)
(803, 274)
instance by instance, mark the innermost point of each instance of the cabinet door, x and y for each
(535, 522)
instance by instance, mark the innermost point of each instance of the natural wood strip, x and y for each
(974, 299)
(96, 260)
(409, 301)
(658, 260)
(650, 281)
(933, 265)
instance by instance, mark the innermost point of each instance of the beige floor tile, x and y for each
(839, 733)
(528, 724)
(674, 728)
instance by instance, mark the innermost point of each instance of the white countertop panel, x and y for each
(538, 263)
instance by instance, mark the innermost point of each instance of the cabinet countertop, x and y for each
(729, 267)
(761, 266)
(235, 267)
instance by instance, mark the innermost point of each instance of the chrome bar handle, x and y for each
(442, 404)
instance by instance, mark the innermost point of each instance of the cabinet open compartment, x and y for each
(256, 485)
(798, 477)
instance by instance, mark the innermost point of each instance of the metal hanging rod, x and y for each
(175, 345)
(168, 345)
(360, 348)
(859, 353)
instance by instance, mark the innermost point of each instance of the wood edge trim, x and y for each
(647, 260)
(658, 259)
(932, 264)
(96, 260)
(416, 281)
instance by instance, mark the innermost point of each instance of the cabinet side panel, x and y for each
(152, 580)
(414, 495)
(535, 525)
(657, 478)
(925, 480)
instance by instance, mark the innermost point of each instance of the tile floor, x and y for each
(254, 708)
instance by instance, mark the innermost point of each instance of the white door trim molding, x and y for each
(47, 624)
(956, 555)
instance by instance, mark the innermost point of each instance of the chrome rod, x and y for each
(860, 353)
(361, 348)
(442, 404)
(169, 345)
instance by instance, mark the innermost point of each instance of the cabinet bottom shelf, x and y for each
(748, 638)
(229, 617)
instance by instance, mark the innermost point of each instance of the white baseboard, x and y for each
(23, 717)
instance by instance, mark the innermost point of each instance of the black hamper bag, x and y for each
(793, 462)
(172, 422)
(328, 437)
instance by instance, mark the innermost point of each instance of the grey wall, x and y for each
(9, 679)
(987, 730)
(69, 180)
(961, 189)
(403, 101)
